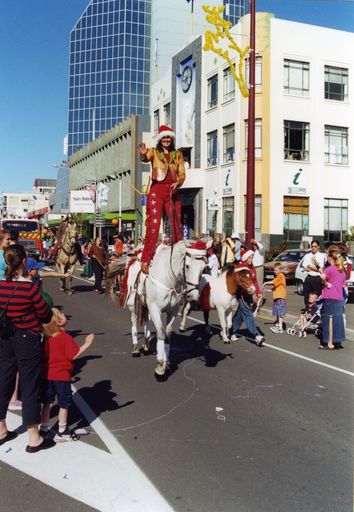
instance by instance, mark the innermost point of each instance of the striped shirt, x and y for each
(27, 308)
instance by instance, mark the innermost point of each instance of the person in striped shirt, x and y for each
(21, 352)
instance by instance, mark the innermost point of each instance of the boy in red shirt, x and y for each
(60, 350)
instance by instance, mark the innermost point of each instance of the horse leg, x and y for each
(222, 319)
(147, 336)
(186, 309)
(155, 314)
(206, 320)
(70, 280)
(134, 322)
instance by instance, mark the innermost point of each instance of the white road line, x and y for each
(105, 481)
(294, 354)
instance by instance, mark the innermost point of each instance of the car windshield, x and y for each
(21, 225)
(290, 256)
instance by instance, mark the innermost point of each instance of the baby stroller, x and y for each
(313, 323)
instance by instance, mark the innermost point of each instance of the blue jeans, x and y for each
(244, 314)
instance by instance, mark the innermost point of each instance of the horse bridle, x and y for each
(194, 286)
(73, 249)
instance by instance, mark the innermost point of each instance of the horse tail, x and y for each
(123, 292)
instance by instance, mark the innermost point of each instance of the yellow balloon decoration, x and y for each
(222, 30)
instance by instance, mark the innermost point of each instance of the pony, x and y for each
(67, 257)
(175, 272)
(220, 294)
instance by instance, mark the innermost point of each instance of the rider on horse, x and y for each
(63, 226)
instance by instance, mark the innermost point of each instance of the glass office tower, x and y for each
(109, 74)
(234, 9)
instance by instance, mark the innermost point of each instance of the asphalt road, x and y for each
(236, 428)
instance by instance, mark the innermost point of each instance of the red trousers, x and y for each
(159, 199)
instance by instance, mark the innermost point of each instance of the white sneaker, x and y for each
(234, 337)
(260, 340)
(275, 329)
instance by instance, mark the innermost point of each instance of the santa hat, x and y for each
(165, 131)
(245, 254)
(197, 248)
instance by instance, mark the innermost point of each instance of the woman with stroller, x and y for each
(333, 278)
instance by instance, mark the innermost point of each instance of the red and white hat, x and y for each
(197, 248)
(165, 131)
(245, 254)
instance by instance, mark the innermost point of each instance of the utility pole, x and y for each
(250, 191)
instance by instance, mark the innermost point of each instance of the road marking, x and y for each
(104, 481)
(294, 354)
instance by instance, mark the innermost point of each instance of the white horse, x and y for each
(175, 272)
(67, 257)
(220, 294)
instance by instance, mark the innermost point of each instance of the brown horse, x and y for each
(221, 294)
(67, 257)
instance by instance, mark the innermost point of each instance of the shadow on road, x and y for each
(196, 345)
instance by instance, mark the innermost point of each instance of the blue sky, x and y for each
(34, 44)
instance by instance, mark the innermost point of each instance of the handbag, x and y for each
(7, 328)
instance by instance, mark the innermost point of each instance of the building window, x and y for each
(336, 83)
(228, 215)
(212, 148)
(296, 77)
(296, 140)
(228, 85)
(335, 219)
(211, 218)
(257, 216)
(336, 145)
(296, 218)
(156, 121)
(167, 113)
(258, 73)
(229, 143)
(213, 91)
(257, 138)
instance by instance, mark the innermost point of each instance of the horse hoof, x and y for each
(70, 293)
(146, 348)
(181, 329)
(136, 351)
(62, 289)
(160, 370)
(227, 341)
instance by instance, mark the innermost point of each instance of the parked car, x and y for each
(300, 276)
(289, 260)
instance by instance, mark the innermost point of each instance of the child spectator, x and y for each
(279, 298)
(311, 310)
(60, 350)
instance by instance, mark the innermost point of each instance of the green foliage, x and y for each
(349, 235)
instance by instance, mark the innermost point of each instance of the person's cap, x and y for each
(245, 254)
(235, 235)
(32, 264)
(165, 131)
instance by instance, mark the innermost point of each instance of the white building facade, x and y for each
(304, 171)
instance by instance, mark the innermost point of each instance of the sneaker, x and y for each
(276, 329)
(234, 337)
(15, 406)
(259, 340)
(67, 435)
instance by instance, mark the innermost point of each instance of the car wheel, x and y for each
(299, 287)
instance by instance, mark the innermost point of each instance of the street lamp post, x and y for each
(250, 193)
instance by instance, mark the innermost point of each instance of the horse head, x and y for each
(70, 236)
(195, 261)
(243, 280)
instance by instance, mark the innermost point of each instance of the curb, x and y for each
(292, 319)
